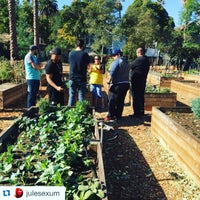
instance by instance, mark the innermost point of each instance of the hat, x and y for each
(56, 51)
(116, 52)
(33, 47)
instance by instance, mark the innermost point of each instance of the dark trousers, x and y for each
(138, 90)
(55, 97)
(116, 97)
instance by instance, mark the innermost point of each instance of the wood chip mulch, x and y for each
(138, 167)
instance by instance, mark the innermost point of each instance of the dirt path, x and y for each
(138, 168)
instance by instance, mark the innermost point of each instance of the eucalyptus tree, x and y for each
(146, 24)
(102, 19)
(190, 18)
(72, 24)
(191, 11)
(12, 31)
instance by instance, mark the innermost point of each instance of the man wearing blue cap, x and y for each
(32, 70)
(118, 82)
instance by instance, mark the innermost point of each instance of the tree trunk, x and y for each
(13, 31)
(35, 22)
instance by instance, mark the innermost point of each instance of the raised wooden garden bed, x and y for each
(186, 90)
(68, 155)
(184, 146)
(159, 99)
(65, 68)
(192, 77)
(11, 92)
(160, 80)
(43, 80)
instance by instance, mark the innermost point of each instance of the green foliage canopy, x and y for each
(146, 23)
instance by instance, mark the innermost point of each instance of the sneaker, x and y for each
(106, 119)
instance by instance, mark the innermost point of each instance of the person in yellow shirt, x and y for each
(96, 72)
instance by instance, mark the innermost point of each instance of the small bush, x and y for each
(6, 72)
(195, 106)
(19, 71)
(14, 73)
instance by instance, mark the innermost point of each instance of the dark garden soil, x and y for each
(188, 121)
(137, 167)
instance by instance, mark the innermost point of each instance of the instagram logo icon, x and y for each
(18, 192)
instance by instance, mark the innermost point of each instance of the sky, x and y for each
(173, 7)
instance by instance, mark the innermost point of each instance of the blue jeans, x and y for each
(33, 89)
(74, 87)
(96, 90)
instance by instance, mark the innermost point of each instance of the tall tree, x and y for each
(145, 24)
(75, 16)
(48, 8)
(13, 32)
(190, 17)
(101, 20)
(72, 25)
(35, 22)
(24, 27)
(191, 11)
(4, 20)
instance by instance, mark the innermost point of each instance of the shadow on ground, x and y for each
(128, 176)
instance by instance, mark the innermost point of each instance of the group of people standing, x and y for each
(79, 61)
(122, 76)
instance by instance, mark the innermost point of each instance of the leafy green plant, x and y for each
(89, 189)
(195, 106)
(156, 89)
(168, 75)
(54, 152)
(43, 105)
(164, 90)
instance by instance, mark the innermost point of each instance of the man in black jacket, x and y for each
(79, 62)
(138, 75)
(54, 72)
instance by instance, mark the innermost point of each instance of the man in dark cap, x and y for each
(32, 69)
(79, 62)
(54, 72)
(118, 82)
